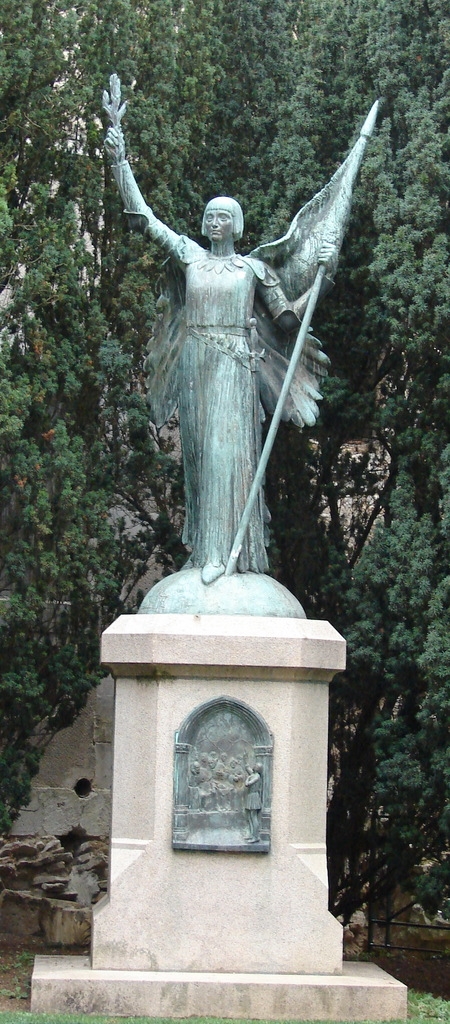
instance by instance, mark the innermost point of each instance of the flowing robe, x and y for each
(216, 386)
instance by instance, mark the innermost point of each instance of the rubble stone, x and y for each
(49, 889)
(19, 913)
(64, 924)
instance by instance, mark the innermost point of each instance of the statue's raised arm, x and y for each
(140, 215)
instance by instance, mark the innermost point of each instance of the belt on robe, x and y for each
(216, 337)
(242, 332)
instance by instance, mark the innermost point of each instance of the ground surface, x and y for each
(16, 965)
(423, 972)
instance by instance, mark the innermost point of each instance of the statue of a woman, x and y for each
(220, 348)
(215, 371)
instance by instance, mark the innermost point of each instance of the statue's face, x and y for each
(218, 224)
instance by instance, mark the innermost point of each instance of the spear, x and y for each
(334, 224)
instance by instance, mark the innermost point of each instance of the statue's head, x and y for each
(226, 205)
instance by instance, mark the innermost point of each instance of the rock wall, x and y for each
(53, 866)
(47, 887)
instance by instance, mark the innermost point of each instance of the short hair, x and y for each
(231, 206)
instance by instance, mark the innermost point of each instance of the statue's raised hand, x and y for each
(115, 109)
(115, 144)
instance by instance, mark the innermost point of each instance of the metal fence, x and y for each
(390, 921)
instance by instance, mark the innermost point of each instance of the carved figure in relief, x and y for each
(237, 777)
(201, 783)
(223, 787)
(253, 785)
(217, 781)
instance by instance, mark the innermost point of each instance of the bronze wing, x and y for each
(304, 394)
(165, 345)
(294, 258)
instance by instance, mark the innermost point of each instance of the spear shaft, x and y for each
(276, 418)
(332, 230)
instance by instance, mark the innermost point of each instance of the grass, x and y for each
(421, 1008)
(18, 970)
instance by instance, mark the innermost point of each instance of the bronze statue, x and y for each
(221, 346)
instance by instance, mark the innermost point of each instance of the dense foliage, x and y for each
(86, 488)
(362, 507)
(259, 100)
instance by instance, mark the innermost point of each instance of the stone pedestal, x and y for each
(191, 932)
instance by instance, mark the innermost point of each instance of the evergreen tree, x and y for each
(359, 517)
(87, 496)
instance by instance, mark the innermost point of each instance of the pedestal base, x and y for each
(362, 992)
(206, 931)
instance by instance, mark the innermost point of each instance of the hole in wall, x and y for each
(83, 787)
(73, 839)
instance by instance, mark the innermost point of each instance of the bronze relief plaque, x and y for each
(223, 779)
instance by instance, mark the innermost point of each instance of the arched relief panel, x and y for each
(223, 779)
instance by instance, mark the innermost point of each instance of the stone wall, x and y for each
(72, 792)
(53, 866)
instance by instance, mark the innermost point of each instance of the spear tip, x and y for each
(369, 123)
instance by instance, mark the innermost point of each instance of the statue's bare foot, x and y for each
(212, 572)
